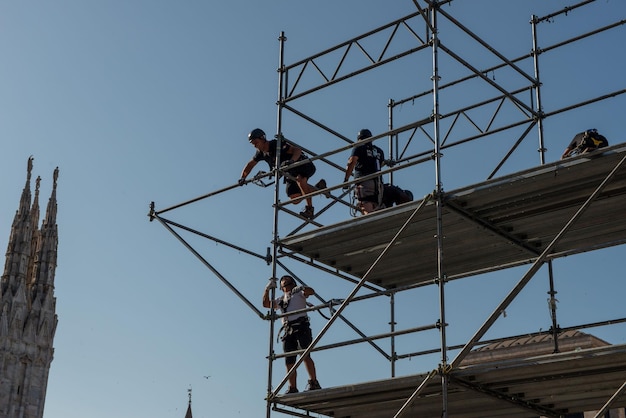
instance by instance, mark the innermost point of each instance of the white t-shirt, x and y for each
(292, 301)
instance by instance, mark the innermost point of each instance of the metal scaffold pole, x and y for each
(552, 304)
(539, 114)
(393, 139)
(282, 38)
(441, 279)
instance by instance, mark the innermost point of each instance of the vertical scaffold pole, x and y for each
(542, 160)
(441, 279)
(536, 52)
(392, 324)
(552, 303)
(392, 147)
(279, 134)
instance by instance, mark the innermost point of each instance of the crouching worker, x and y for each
(296, 331)
(394, 195)
(584, 142)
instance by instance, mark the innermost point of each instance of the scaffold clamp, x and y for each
(152, 213)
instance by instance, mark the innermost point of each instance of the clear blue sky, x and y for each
(151, 100)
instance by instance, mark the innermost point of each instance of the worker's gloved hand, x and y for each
(271, 284)
(241, 181)
(345, 188)
(286, 163)
(389, 163)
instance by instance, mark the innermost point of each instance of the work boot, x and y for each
(313, 385)
(308, 212)
(322, 185)
(292, 390)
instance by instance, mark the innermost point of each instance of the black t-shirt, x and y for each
(370, 159)
(305, 170)
(270, 156)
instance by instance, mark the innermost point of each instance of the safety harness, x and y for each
(290, 327)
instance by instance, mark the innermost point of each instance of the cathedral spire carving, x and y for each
(20, 241)
(28, 317)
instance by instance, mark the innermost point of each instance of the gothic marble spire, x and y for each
(28, 317)
(20, 241)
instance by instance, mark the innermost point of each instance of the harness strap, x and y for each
(291, 327)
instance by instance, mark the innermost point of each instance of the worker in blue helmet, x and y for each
(297, 180)
(366, 159)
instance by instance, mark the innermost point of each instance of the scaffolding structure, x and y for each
(529, 217)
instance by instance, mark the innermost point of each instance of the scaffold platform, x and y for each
(573, 205)
(497, 224)
(550, 385)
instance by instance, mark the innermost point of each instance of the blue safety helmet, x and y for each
(256, 133)
(363, 134)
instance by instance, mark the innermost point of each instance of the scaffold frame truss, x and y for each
(527, 218)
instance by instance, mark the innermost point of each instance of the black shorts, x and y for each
(305, 170)
(299, 339)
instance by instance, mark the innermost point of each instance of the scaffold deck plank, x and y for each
(496, 224)
(563, 383)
